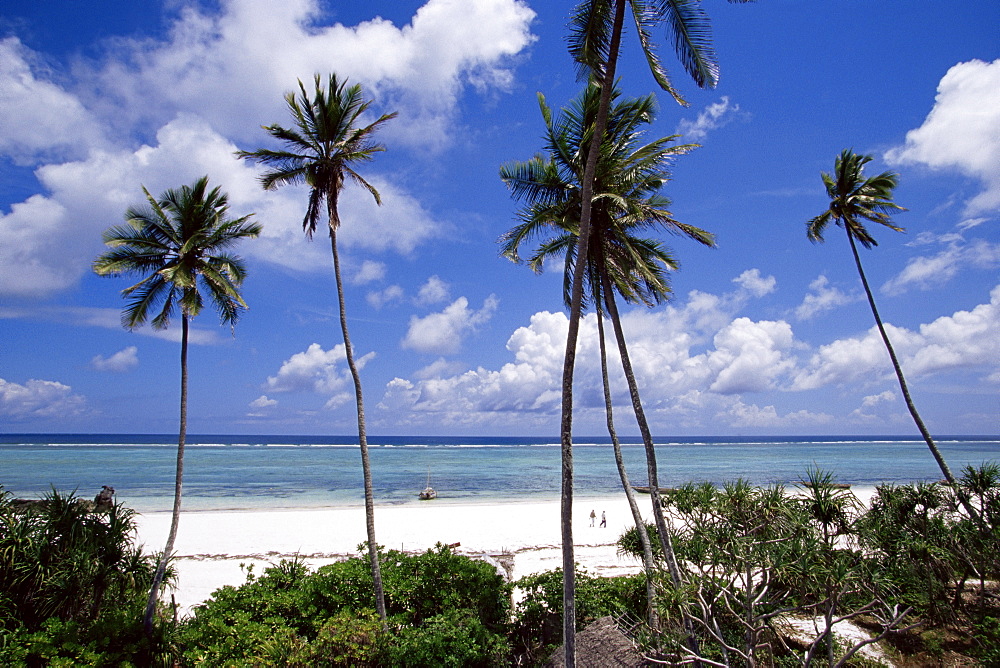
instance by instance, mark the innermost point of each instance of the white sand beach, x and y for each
(211, 545)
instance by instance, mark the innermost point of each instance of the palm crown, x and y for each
(626, 200)
(177, 243)
(855, 199)
(322, 147)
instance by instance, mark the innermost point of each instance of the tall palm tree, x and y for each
(177, 244)
(321, 150)
(626, 200)
(594, 43)
(853, 200)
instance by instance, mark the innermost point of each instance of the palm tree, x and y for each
(177, 244)
(321, 151)
(626, 200)
(853, 200)
(594, 43)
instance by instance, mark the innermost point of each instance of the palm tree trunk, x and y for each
(666, 544)
(569, 360)
(161, 567)
(938, 457)
(640, 525)
(362, 437)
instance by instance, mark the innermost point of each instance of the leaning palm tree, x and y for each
(853, 200)
(177, 244)
(626, 200)
(594, 42)
(321, 151)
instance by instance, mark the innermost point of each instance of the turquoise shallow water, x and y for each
(250, 472)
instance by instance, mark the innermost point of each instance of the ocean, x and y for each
(261, 471)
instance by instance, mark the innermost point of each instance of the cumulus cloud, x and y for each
(315, 370)
(41, 119)
(698, 363)
(393, 294)
(442, 333)
(263, 402)
(933, 271)
(164, 113)
(822, 297)
(123, 360)
(712, 117)
(38, 398)
(757, 285)
(962, 131)
(369, 271)
(434, 291)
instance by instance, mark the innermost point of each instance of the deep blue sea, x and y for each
(250, 472)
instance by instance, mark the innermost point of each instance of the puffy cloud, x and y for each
(749, 356)
(740, 414)
(123, 360)
(38, 398)
(315, 370)
(933, 271)
(757, 285)
(822, 297)
(41, 119)
(962, 131)
(211, 59)
(712, 117)
(434, 291)
(263, 402)
(369, 271)
(393, 294)
(875, 399)
(442, 333)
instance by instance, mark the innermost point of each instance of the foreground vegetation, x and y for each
(912, 570)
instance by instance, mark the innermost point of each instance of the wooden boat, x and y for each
(428, 492)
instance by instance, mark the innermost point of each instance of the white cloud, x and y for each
(263, 402)
(712, 117)
(933, 271)
(820, 298)
(757, 285)
(370, 271)
(962, 131)
(190, 90)
(315, 370)
(41, 119)
(38, 398)
(123, 360)
(695, 363)
(434, 291)
(393, 294)
(442, 333)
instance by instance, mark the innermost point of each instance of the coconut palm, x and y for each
(626, 201)
(178, 245)
(321, 150)
(594, 42)
(855, 199)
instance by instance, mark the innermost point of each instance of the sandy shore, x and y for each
(211, 545)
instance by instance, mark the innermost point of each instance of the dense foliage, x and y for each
(443, 609)
(72, 583)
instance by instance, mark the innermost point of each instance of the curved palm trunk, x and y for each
(362, 437)
(938, 457)
(161, 567)
(569, 360)
(640, 525)
(666, 544)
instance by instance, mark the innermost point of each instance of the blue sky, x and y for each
(766, 334)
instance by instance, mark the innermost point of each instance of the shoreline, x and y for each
(214, 546)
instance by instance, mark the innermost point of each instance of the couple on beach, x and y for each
(604, 519)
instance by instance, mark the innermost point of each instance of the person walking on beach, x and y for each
(604, 520)
(593, 516)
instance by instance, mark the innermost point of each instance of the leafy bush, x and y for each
(440, 605)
